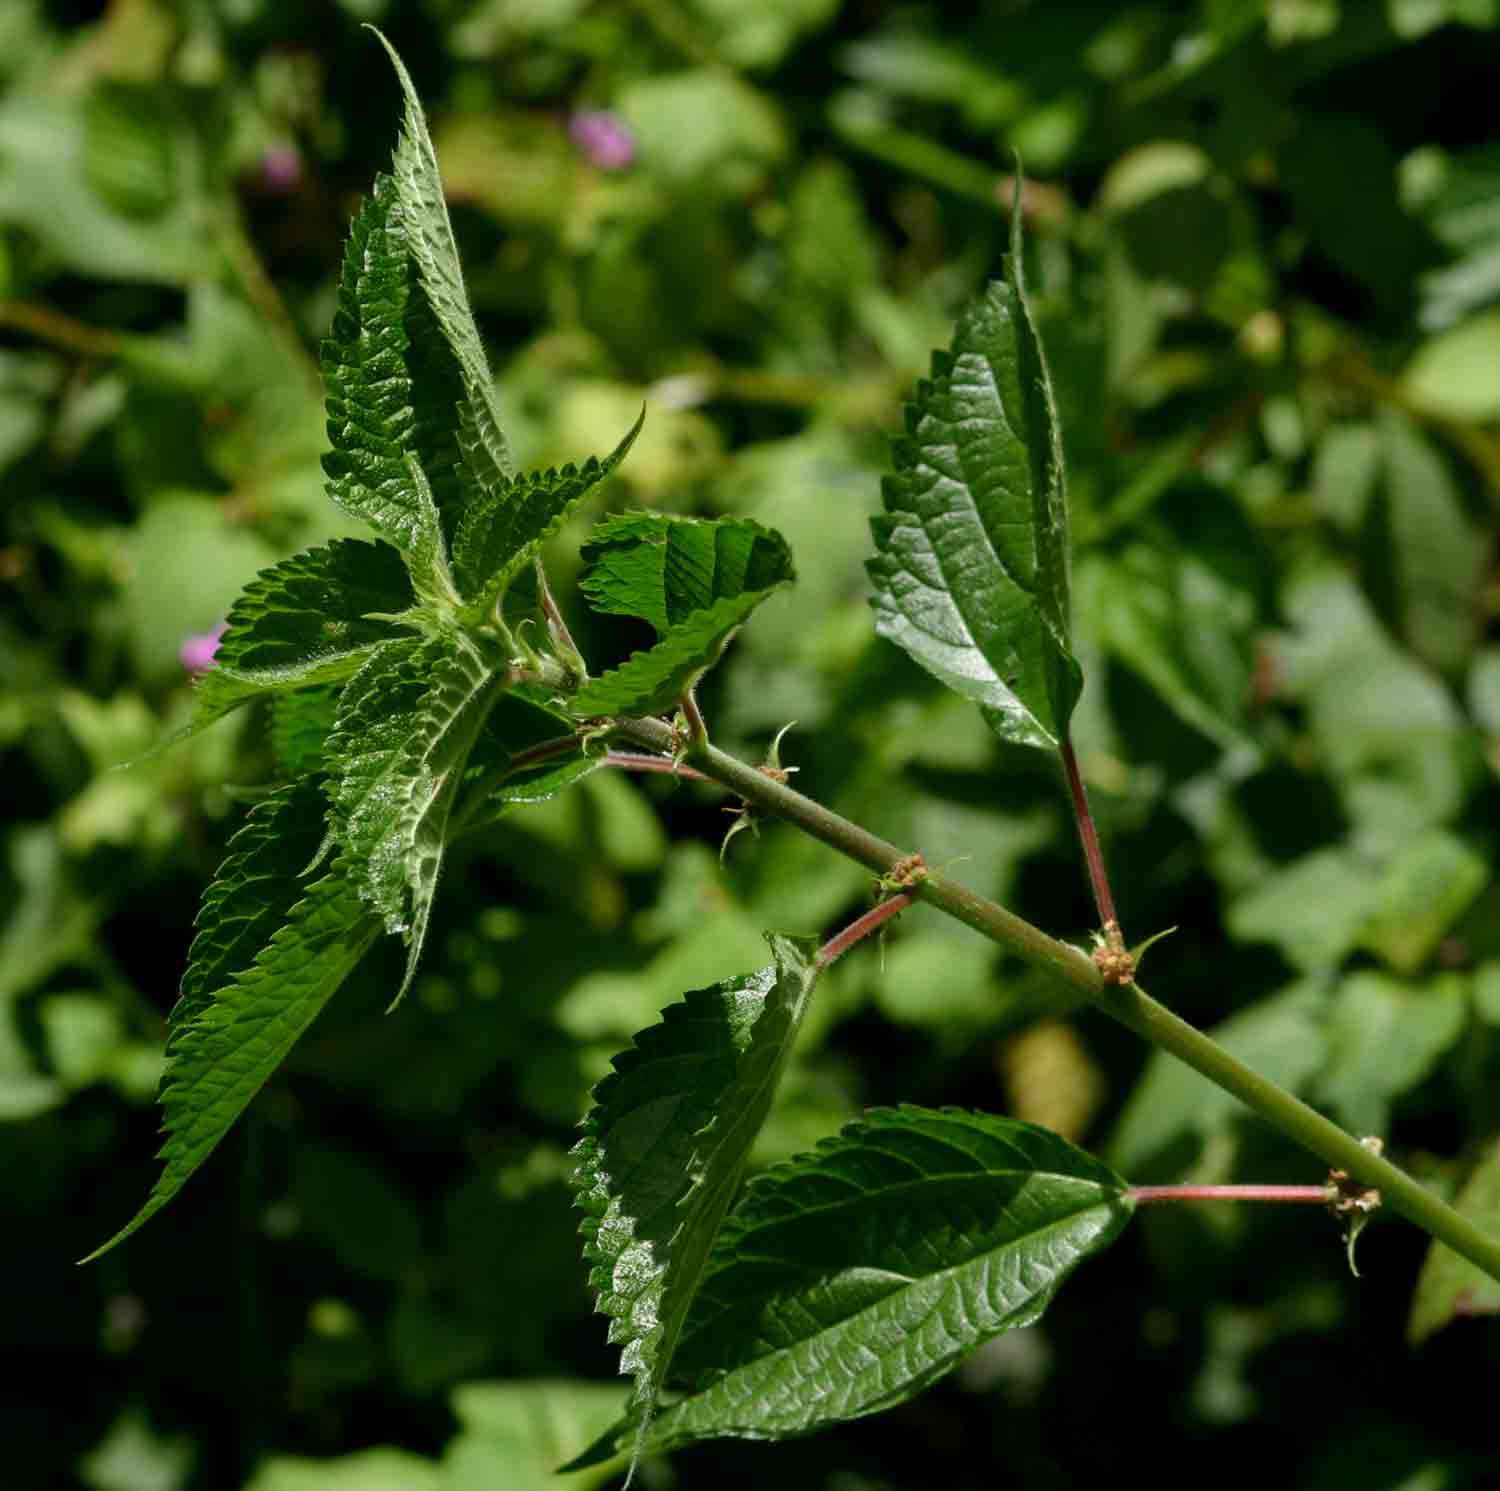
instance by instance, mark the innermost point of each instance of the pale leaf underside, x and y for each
(406, 725)
(664, 1148)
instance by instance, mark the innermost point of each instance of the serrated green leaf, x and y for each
(666, 1143)
(501, 529)
(971, 568)
(406, 725)
(429, 235)
(305, 621)
(851, 1277)
(393, 389)
(252, 892)
(663, 568)
(695, 580)
(654, 681)
(240, 1013)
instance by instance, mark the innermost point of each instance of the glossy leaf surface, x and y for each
(851, 1277)
(971, 566)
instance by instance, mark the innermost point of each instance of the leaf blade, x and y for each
(429, 234)
(665, 1146)
(503, 527)
(653, 681)
(391, 388)
(304, 622)
(695, 580)
(406, 725)
(971, 566)
(238, 1017)
(851, 1277)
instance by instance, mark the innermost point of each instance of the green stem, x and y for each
(1127, 1003)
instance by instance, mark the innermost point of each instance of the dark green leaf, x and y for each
(663, 568)
(850, 1278)
(666, 1143)
(502, 529)
(494, 784)
(695, 581)
(393, 389)
(971, 569)
(254, 889)
(654, 681)
(227, 1041)
(312, 619)
(300, 725)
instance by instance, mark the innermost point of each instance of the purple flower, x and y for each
(197, 652)
(281, 169)
(604, 138)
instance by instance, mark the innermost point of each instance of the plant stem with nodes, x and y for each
(1125, 1002)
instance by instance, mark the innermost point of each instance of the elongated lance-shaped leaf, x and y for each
(271, 950)
(695, 580)
(665, 1146)
(851, 1277)
(406, 725)
(503, 527)
(971, 566)
(303, 622)
(393, 387)
(429, 234)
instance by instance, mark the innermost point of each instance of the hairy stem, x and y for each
(697, 730)
(1127, 1003)
(557, 625)
(1311, 1195)
(1089, 836)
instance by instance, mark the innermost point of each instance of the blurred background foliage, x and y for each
(1267, 253)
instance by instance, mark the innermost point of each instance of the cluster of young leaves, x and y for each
(402, 700)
